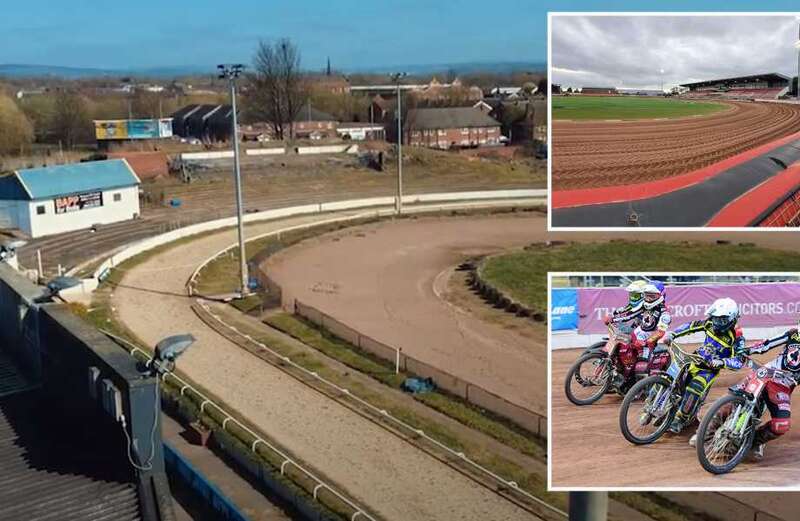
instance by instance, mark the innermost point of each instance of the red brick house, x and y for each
(313, 123)
(450, 127)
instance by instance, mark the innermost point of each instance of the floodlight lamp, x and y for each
(8, 248)
(55, 286)
(168, 350)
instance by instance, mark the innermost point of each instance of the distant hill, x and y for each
(72, 73)
(55, 71)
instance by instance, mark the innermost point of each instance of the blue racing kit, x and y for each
(718, 350)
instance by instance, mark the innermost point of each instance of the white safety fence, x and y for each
(512, 485)
(467, 199)
(257, 439)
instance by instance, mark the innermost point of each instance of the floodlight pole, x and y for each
(399, 197)
(588, 506)
(231, 73)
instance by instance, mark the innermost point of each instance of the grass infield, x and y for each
(523, 274)
(628, 107)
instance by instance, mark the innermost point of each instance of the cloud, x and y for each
(630, 51)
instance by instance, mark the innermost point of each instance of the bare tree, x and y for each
(71, 123)
(277, 89)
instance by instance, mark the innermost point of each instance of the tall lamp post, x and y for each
(588, 506)
(398, 205)
(797, 46)
(232, 73)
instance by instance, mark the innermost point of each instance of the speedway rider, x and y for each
(778, 395)
(647, 312)
(723, 346)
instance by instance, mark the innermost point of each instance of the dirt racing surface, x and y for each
(588, 448)
(386, 281)
(394, 478)
(608, 153)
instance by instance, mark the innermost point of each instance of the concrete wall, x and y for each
(57, 349)
(110, 212)
(533, 422)
(18, 322)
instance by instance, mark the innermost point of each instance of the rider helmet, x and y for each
(653, 294)
(723, 314)
(636, 294)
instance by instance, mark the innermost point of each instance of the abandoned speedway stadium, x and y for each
(396, 296)
(722, 158)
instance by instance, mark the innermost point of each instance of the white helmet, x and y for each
(723, 314)
(636, 294)
(653, 294)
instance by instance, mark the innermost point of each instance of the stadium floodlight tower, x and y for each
(232, 73)
(396, 77)
(797, 46)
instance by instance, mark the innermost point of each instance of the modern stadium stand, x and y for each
(758, 187)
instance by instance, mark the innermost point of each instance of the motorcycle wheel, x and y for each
(598, 381)
(640, 395)
(714, 454)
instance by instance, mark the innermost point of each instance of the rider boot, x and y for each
(763, 435)
(685, 413)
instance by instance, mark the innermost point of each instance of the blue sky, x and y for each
(151, 33)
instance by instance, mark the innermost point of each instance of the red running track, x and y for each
(640, 191)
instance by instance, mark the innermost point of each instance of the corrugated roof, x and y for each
(53, 181)
(448, 117)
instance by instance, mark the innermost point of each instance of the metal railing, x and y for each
(257, 439)
(386, 414)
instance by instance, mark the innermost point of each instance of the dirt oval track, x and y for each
(588, 448)
(609, 153)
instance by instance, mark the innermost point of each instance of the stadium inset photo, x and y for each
(682, 121)
(676, 380)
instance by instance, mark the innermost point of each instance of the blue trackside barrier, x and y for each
(195, 479)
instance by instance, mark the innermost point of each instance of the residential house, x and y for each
(450, 127)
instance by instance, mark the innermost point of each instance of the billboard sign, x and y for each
(563, 309)
(76, 202)
(133, 129)
(761, 305)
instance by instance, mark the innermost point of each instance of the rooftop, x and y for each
(53, 181)
(54, 467)
(448, 117)
(769, 76)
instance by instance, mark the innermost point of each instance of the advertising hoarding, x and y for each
(133, 129)
(76, 202)
(761, 305)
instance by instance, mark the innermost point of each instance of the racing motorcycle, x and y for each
(651, 404)
(728, 429)
(611, 366)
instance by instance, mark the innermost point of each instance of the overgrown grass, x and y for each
(523, 274)
(383, 371)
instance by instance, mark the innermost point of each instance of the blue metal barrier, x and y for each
(195, 479)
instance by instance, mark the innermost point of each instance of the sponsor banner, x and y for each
(74, 203)
(563, 309)
(133, 129)
(761, 305)
(115, 129)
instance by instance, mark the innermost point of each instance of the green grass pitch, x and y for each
(628, 107)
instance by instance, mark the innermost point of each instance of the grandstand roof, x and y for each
(769, 76)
